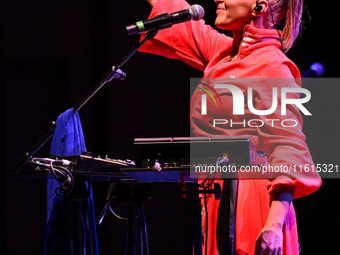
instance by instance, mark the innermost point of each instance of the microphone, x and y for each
(162, 21)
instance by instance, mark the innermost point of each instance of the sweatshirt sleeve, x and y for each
(281, 135)
(193, 42)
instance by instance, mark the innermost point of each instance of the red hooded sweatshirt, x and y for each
(260, 56)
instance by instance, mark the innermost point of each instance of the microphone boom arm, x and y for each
(115, 72)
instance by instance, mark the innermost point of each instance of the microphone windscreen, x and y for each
(197, 12)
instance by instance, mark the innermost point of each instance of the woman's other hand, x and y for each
(269, 242)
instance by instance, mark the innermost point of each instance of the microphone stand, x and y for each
(115, 72)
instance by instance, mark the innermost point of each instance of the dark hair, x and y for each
(287, 14)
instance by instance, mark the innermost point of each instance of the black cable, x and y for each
(205, 187)
(127, 242)
(115, 214)
(141, 231)
(206, 223)
(47, 164)
(106, 207)
(145, 233)
(202, 185)
(66, 186)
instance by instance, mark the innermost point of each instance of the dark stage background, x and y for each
(53, 52)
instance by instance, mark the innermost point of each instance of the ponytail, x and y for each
(292, 24)
(284, 15)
